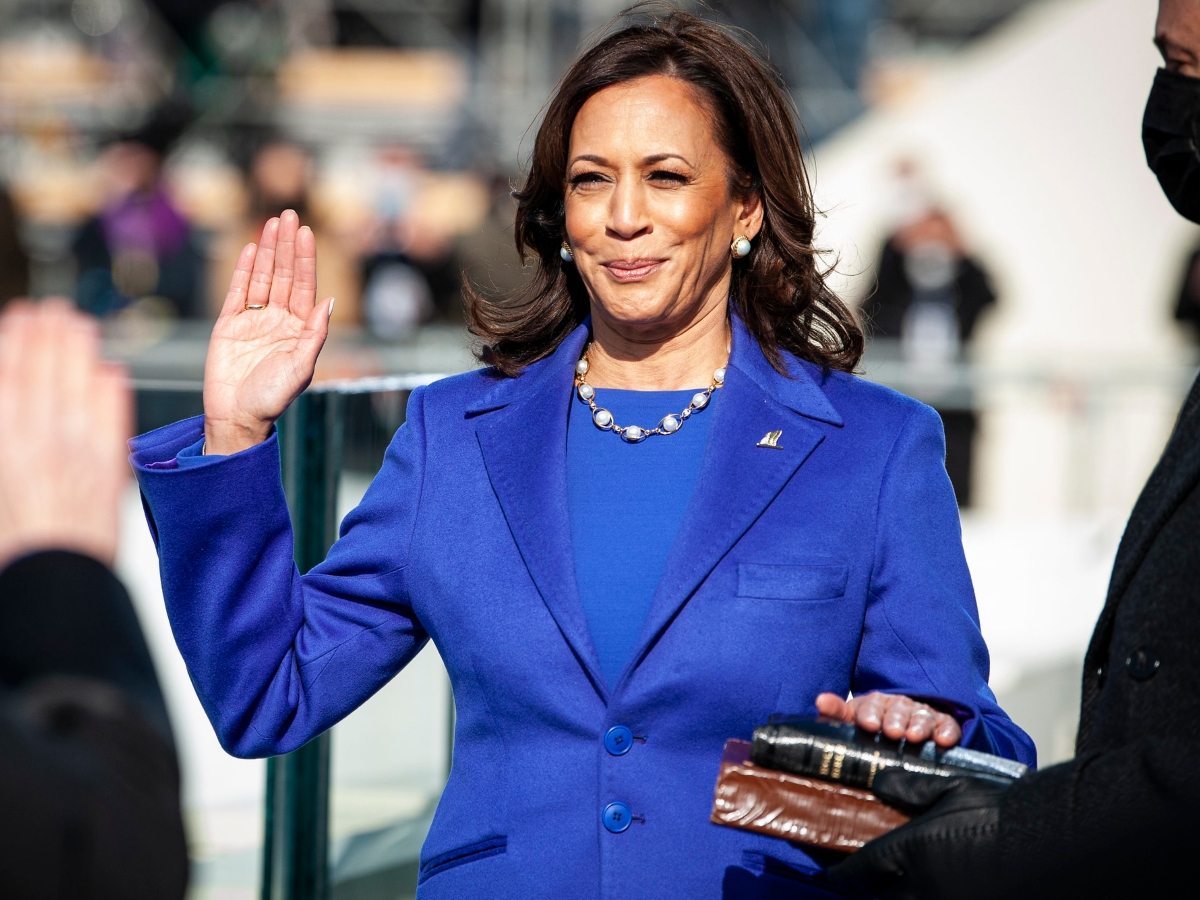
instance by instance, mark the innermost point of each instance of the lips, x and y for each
(632, 269)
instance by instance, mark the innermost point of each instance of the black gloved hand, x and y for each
(948, 850)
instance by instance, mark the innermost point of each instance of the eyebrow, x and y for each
(646, 161)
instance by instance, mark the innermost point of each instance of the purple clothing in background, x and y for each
(147, 222)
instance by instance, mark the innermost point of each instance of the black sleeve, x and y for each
(89, 778)
(1115, 823)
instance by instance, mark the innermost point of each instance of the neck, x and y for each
(683, 361)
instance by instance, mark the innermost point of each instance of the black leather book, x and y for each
(843, 753)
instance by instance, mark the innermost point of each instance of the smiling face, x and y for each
(650, 209)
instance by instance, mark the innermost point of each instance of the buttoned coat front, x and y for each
(831, 561)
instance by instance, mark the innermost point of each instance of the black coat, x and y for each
(89, 780)
(1119, 820)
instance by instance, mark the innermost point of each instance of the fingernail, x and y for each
(332, 300)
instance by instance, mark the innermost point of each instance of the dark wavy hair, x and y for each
(779, 290)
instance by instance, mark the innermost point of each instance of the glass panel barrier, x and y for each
(347, 813)
(389, 758)
(223, 797)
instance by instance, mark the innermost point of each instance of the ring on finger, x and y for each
(256, 306)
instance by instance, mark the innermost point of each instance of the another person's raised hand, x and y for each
(65, 417)
(264, 346)
(896, 715)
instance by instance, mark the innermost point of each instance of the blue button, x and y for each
(617, 816)
(618, 740)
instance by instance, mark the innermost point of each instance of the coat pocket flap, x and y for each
(812, 581)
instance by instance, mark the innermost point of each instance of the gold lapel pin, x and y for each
(771, 439)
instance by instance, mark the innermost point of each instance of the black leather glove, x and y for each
(948, 850)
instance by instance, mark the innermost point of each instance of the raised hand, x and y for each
(896, 715)
(264, 346)
(65, 417)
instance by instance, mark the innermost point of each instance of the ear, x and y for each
(750, 214)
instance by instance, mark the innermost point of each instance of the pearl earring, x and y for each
(565, 252)
(740, 248)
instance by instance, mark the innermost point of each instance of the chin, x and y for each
(639, 318)
(635, 303)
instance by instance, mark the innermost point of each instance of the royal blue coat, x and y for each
(831, 562)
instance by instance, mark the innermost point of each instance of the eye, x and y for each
(668, 177)
(585, 180)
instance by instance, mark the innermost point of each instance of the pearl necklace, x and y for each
(632, 434)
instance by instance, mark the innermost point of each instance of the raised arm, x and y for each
(264, 345)
(276, 655)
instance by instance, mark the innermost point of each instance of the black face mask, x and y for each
(1171, 137)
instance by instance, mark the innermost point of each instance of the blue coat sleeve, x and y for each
(277, 657)
(921, 629)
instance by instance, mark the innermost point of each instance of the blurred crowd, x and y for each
(142, 144)
(157, 236)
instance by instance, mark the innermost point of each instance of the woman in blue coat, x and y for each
(661, 512)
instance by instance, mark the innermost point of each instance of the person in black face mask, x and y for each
(1171, 136)
(1171, 125)
(1117, 820)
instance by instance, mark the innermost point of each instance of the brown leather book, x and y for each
(794, 807)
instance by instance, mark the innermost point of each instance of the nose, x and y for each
(628, 216)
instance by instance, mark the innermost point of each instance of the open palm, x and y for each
(264, 346)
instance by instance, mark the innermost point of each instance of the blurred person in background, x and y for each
(486, 252)
(663, 511)
(1118, 820)
(410, 269)
(433, 248)
(929, 295)
(138, 254)
(89, 780)
(279, 172)
(14, 258)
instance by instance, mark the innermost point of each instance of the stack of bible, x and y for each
(809, 780)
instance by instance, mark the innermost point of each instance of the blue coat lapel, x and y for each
(738, 479)
(522, 434)
(524, 451)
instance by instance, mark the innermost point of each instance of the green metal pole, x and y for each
(296, 839)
